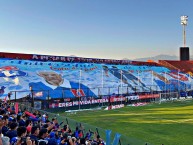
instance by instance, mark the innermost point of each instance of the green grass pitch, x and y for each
(168, 123)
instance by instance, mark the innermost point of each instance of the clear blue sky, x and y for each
(94, 28)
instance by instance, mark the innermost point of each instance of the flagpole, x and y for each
(79, 88)
(190, 81)
(138, 78)
(151, 79)
(121, 85)
(165, 82)
(102, 83)
(178, 80)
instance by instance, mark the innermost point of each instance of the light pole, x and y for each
(184, 51)
(102, 85)
(121, 85)
(184, 22)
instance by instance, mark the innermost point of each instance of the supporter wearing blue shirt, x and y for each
(42, 136)
(5, 128)
(52, 140)
(22, 122)
(12, 133)
(21, 134)
(34, 134)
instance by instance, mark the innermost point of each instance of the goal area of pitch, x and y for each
(169, 96)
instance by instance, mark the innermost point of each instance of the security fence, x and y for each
(47, 99)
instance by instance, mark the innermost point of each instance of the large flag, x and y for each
(116, 139)
(5, 99)
(108, 137)
(16, 108)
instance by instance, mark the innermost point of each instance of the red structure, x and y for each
(183, 66)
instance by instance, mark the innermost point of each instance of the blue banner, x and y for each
(116, 139)
(108, 137)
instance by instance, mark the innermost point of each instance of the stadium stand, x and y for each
(44, 77)
(183, 66)
(26, 128)
(43, 82)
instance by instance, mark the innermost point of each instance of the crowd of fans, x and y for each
(34, 128)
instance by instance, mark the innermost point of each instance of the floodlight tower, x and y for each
(184, 51)
(184, 22)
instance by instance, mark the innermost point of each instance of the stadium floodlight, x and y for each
(184, 22)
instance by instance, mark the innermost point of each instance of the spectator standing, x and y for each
(12, 132)
(34, 134)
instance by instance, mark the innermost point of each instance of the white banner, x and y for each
(132, 97)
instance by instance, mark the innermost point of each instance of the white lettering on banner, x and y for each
(75, 103)
(133, 97)
(119, 99)
(106, 100)
(56, 58)
(114, 99)
(61, 105)
(87, 102)
(70, 59)
(81, 102)
(103, 100)
(68, 104)
(43, 57)
(63, 58)
(94, 101)
(34, 57)
(117, 106)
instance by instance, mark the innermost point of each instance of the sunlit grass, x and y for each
(167, 123)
